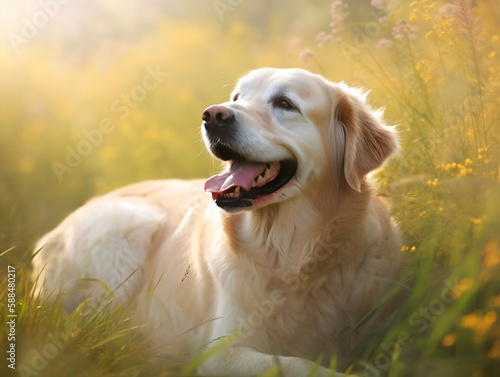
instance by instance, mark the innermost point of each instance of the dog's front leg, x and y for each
(238, 361)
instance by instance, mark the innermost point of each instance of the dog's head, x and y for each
(285, 130)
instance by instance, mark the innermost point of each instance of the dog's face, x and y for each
(285, 129)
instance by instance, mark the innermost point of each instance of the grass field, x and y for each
(433, 66)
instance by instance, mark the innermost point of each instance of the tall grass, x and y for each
(98, 338)
(435, 69)
(438, 69)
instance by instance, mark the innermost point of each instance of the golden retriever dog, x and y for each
(275, 260)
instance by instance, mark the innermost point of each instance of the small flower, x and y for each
(325, 39)
(470, 320)
(494, 351)
(381, 4)
(433, 183)
(306, 55)
(446, 10)
(495, 301)
(404, 30)
(408, 248)
(476, 221)
(448, 340)
(462, 286)
(491, 253)
(384, 43)
(338, 11)
(383, 20)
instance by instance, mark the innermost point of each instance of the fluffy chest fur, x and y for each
(304, 283)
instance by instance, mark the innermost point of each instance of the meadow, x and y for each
(118, 99)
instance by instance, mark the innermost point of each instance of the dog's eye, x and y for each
(236, 96)
(283, 103)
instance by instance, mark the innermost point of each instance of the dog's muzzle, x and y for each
(247, 180)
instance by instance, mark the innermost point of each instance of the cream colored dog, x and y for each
(276, 261)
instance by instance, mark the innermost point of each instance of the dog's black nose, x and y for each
(217, 116)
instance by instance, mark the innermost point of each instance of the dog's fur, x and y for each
(278, 282)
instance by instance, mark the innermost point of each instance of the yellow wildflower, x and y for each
(494, 351)
(490, 318)
(406, 248)
(495, 301)
(479, 324)
(491, 253)
(475, 221)
(470, 320)
(449, 340)
(434, 182)
(462, 286)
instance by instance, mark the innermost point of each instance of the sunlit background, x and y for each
(96, 94)
(67, 65)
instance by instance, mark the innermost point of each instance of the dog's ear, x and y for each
(368, 142)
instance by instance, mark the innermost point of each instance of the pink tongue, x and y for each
(240, 174)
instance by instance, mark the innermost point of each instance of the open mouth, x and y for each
(247, 182)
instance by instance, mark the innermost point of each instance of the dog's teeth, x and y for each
(237, 190)
(272, 169)
(268, 173)
(257, 181)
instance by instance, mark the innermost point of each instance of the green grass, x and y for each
(446, 321)
(440, 86)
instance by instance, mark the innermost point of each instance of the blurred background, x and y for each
(97, 94)
(65, 66)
